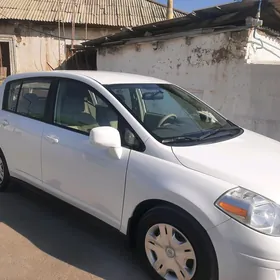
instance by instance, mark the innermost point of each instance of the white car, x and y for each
(197, 195)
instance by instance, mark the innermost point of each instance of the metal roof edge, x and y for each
(227, 14)
(187, 34)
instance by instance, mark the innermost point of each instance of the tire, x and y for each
(4, 173)
(195, 246)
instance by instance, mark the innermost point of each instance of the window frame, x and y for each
(22, 81)
(51, 114)
(50, 106)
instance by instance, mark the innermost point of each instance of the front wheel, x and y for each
(173, 246)
(4, 173)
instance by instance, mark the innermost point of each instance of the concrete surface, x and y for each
(43, 238)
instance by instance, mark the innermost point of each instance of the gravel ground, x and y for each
(43, 238)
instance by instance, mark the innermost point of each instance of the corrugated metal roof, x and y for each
(99, 12)
(221, 17)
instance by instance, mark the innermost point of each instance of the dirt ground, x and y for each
(42, 238)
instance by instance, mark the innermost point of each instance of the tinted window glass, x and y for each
(11, 96)
(33, 97)
(128, 96)
(164, 106)
(123, 95)
(79, 108)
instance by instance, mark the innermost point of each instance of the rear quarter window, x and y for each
(11, 93)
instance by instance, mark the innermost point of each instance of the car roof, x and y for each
(103, 77)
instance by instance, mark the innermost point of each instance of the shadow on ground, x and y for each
(68, 234)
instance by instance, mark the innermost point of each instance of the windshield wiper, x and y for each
(218, 130)
(180, 139)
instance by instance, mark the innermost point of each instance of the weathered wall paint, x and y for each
(215, 68)
(262, 48)
(35, 51)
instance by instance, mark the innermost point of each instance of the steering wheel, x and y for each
(165, 118)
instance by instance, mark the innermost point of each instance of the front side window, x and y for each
(123, 95)
(78, 107)
(172, 114)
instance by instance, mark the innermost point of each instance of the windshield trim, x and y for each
(215, 138)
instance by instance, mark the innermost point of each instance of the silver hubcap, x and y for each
(170, 253)
(1, 171)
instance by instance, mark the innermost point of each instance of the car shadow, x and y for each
(68, 234)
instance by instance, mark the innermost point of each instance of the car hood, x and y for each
(250, 160)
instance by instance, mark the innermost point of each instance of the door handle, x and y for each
(51, 138)
(4, 123)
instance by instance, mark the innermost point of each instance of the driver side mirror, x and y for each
(107, 137)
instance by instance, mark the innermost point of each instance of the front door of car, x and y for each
(82, 174)
(21, 126)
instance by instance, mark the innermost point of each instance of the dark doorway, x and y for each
(80, 60)
(5, 63)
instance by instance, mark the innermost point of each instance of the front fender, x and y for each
(153, 178)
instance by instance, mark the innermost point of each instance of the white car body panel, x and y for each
(67, 165)
(21, 141)
(90, 174)
(249, 160)
(176, 183)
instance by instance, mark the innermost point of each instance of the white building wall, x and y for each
(215, 68)
(262, 48)
(262, 101)
(36, 51)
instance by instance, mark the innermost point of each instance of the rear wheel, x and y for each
(4, 173)
(173, 246)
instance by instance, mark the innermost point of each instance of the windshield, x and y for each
(169, 112)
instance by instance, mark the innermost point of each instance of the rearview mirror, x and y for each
(107, 137)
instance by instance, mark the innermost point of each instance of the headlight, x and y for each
(252, 210)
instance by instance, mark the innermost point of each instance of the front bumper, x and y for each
(244, 254)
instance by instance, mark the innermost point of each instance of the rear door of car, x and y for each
(21, 126)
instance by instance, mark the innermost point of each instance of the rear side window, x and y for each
(33, 98)
(11, 96)
(28, 97)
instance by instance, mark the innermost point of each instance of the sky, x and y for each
(190, 5)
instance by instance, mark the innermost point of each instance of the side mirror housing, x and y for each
(107, 137)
